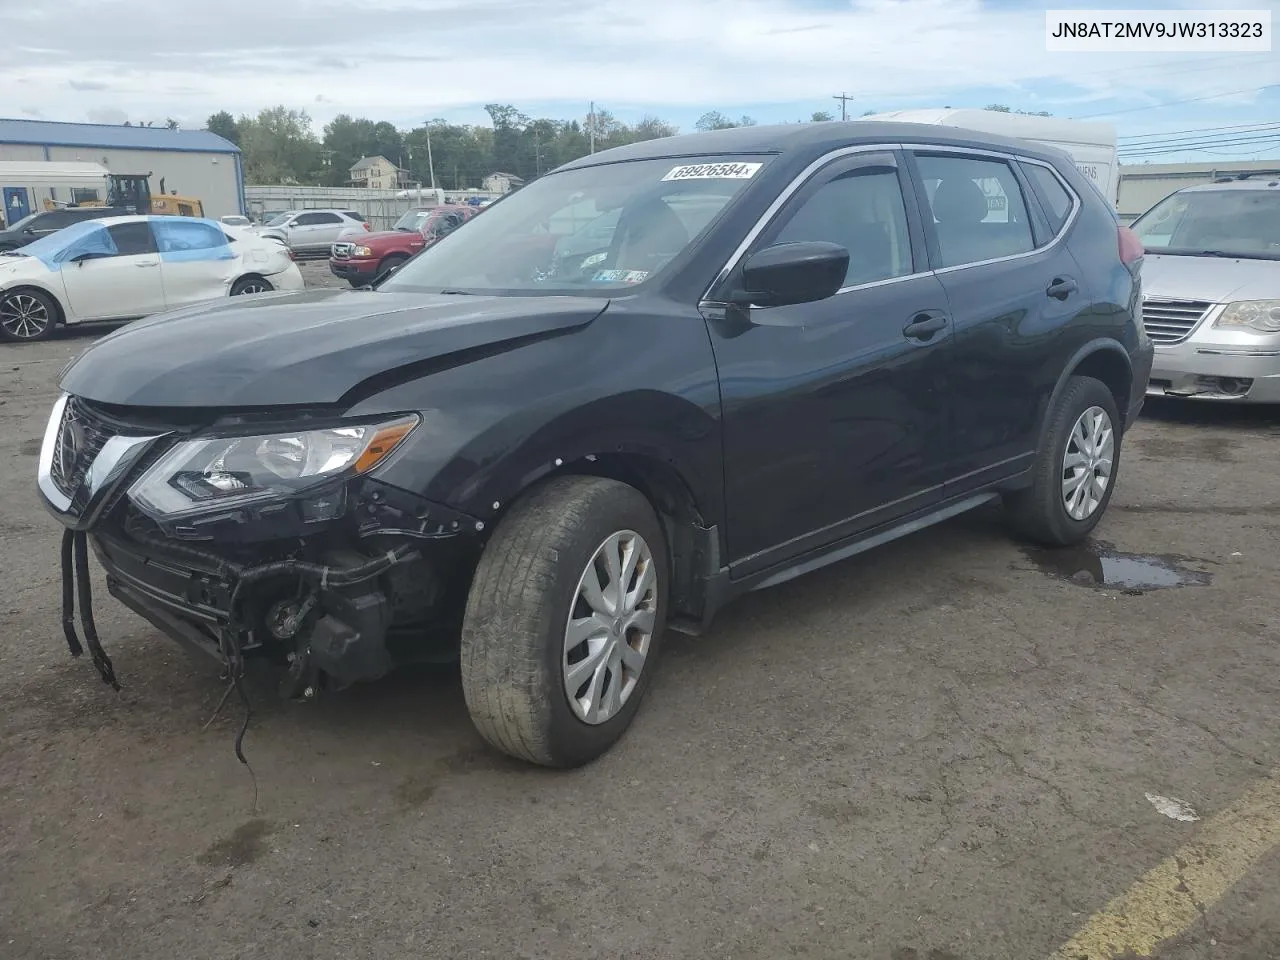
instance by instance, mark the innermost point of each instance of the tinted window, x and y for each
(1053, 195)
(175, 234)
(308, 219)
(977, 207)
(56, 220)
(353, 215)
(862, 210)
(132, 239)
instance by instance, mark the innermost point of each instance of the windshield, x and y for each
(1233, 223)
(589, 231)
(279, 219)
(413, 220)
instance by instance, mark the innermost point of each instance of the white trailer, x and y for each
(1091, 145)
(32, 186)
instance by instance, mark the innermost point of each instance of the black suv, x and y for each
(37, 225)
(796, 343)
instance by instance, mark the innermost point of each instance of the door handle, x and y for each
(145, 263)
(924, 325)
(1061, 288)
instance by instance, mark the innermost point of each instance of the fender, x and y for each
(1097, 345)
(658, 427)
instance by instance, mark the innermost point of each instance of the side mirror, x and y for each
(789, 273)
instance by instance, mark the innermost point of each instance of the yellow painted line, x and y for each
(1171, 896)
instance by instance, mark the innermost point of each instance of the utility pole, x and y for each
(591, 125)
(431, 167)
(844, 99)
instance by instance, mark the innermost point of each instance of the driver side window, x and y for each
(858, 205)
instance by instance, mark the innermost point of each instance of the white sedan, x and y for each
(121, 268)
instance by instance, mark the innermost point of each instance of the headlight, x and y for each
(198, 475)
(1261, 315)
(361, 252)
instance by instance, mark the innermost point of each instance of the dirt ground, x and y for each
(937, 751)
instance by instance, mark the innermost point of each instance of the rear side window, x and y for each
(353, 215)
(977, 208)
(1053, 195)
(178, 235)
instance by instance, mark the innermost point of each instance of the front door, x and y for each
(836, 413)
(1011, 291)
(113, 273)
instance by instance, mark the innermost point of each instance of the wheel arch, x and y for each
(1103, 359)
(60, 310)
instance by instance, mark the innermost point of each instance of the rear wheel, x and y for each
(564, 620)
(251, 284)
(27, 315)
(1075, 470)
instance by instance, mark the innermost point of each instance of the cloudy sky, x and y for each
(776, 60)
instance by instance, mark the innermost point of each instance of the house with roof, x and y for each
(378, 173)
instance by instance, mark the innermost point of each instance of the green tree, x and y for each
(224, 125)
(279, 147)
(821, 116)
(715, 120)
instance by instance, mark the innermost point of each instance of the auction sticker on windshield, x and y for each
(714, 171)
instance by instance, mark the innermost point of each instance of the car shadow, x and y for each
(1210, 413)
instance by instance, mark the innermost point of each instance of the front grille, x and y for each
(1171, 321)
(81, 437)
(342, 251)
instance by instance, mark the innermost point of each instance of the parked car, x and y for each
(1212, 291)
(372, 255)
(235, 220)
(535, 468)
(120, 268)
(313, 232)
(36, 225)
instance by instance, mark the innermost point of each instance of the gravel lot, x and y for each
(938, 751)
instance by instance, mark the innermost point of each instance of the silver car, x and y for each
(312, 232)
(1211, 291)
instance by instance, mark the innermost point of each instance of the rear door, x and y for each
(197, 261)
(113, 273)
(1012, 287)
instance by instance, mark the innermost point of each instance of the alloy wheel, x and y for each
(610, 628)
(24, 316)
(1087, 463)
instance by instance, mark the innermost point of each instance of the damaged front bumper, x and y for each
(332, 602)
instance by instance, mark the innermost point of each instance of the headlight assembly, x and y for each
(203, 474)
(361, 251)
(1260, 315)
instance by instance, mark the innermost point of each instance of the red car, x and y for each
(360, 260)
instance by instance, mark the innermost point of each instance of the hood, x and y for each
(413, 236)
(307, 348)
(1215, 279)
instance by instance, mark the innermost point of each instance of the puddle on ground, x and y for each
(1097, 564)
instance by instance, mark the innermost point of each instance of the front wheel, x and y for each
(1075, 471)
(254, 284)
(27, 316)
(564, 620)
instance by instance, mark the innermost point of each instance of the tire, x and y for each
(386, 265)
(27, 315)
(1040, 513)
(515, 631)
(251, 284)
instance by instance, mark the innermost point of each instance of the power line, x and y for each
(1175, 133)
(1194, 147)
(1202, 140)
(1173, 103)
